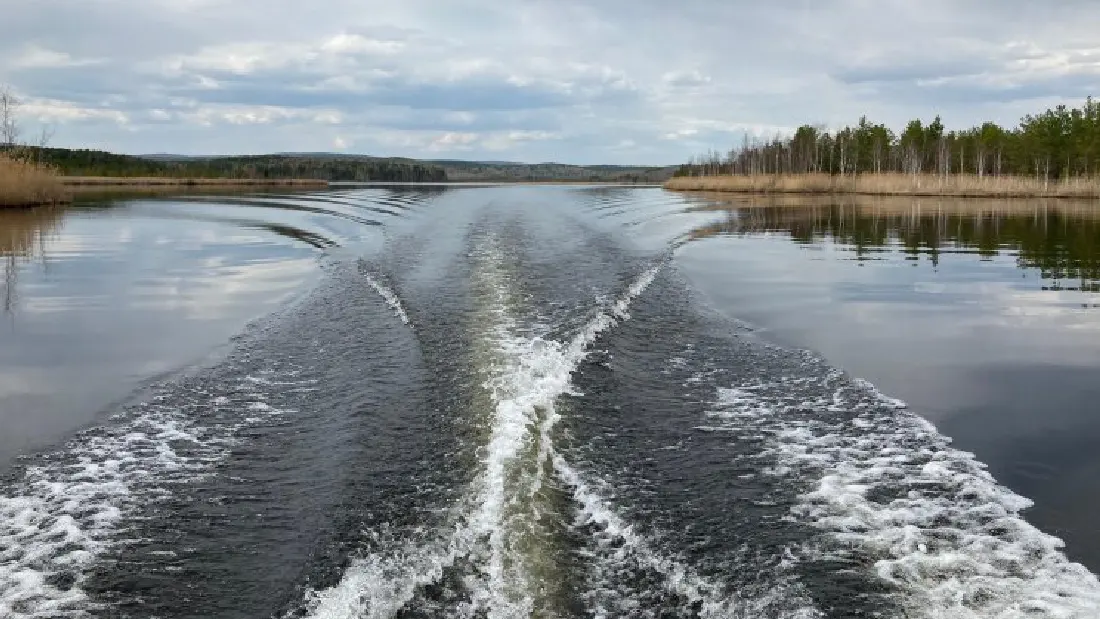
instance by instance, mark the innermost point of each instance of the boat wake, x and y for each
(516, 450)
(501, 557)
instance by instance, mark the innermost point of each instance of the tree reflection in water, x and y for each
(1059, 239)
(24, 235)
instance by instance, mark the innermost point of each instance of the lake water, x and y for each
(399, 401)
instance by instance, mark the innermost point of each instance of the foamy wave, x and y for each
(620, 547)
(884, 485)
(377, 586)
(68, 508)
(389, 296)
(623, 545)
(498, 522)
(526, 376)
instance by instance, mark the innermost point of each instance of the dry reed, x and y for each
(27, 183)
(892, 184)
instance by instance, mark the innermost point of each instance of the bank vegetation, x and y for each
(1052, 154)
(25, 180)
(893, 184)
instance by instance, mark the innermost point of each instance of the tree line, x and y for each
(82, 162)
(1060, 143)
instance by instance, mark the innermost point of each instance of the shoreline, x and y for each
(88, 187)
(889, 184)
(31, 205)
(154, 181)
(82, 188)
(711, 202)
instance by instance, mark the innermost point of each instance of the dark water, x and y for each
(552, 402)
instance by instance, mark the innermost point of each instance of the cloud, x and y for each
(681, 133)
(453, 142)
(53, 111)
(35, 57)
(685, 78)
(615, 81)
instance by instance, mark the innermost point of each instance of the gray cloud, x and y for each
(461, 96)
(884, 72)
(614, 81)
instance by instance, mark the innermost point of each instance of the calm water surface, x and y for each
(100, 298)
(549, 402)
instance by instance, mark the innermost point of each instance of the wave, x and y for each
(387, 294)
(67, 508)
(885, 490)
(497, 529)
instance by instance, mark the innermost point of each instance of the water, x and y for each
(546, 402)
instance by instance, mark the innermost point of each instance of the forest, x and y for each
(1058, 144)
(70, 162)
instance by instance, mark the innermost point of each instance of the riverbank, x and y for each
(27, 183)
(891, 184)
(118, 182)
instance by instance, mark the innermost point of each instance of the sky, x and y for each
(604, 81)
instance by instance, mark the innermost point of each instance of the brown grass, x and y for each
(154, 181)
(892, 184)
(26, 183)
(914, 206)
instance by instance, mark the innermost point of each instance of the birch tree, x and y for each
(9, 124)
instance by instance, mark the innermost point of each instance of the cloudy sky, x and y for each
(603, 81)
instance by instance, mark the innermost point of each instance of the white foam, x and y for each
(620, 544)
(389, 296)
(531, 373)
(536, 372)
(377, 587)
(884, 484)
(68, 508)
(526, 375)
(678, 579)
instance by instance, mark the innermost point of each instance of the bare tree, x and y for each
(9, 125)
(45, 136)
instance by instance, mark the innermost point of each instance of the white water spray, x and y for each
(389, 296)
(527, 376)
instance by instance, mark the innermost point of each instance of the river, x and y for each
(521, 401)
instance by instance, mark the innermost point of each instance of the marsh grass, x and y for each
(25, 182)
(893, 184)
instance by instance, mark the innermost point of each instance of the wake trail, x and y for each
(387, 294)
(627, 546)
(496, 524)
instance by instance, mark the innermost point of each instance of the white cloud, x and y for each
(681, 133)
(507, 140)
(35, 57)
(208, 115)
(53, 111)
(685, 78)
(453, 141)
(538, 80)
(358, 44)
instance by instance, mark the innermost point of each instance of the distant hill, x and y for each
(71, 162)
(478, 171)
(507, 171)
(168, 157)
